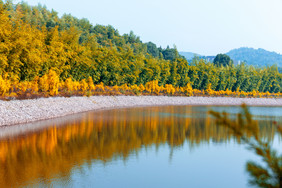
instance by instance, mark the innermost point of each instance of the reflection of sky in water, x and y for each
(258, 112)
(255, 110)
(151, 168)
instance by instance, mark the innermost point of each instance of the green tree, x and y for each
(222, 60)
(152, 49)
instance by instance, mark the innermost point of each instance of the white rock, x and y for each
(23, 111)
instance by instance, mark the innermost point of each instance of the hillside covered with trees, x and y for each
(256, 57)
(41, 52)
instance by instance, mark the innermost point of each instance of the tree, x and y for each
(170, 53)
(222, 59)
(152, 49)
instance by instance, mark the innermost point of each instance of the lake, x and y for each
(167, 146)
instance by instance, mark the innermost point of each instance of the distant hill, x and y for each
(257, 57)
(189, 55)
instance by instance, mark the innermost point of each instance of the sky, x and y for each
(205, 27)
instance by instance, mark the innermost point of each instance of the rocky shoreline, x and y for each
(26, 111)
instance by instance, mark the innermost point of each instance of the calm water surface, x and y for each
(173, 146)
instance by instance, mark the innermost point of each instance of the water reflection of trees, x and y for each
(245, 129)
(103, 136)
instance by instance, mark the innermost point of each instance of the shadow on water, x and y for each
(42, 155)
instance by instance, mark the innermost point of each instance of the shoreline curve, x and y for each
(27, 111)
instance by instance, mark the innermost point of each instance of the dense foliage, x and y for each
(222, 60)
(38, 49)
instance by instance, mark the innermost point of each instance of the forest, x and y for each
(44, 54)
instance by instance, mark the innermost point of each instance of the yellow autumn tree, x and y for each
(43, 83)
(83, 85)
(53, 80)
(5, 44)
(5, 85)
(187, 90)
(90, 83)
(69, 85)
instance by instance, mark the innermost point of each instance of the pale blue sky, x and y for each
(206, 27)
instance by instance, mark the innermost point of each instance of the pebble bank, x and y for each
(26, 111)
